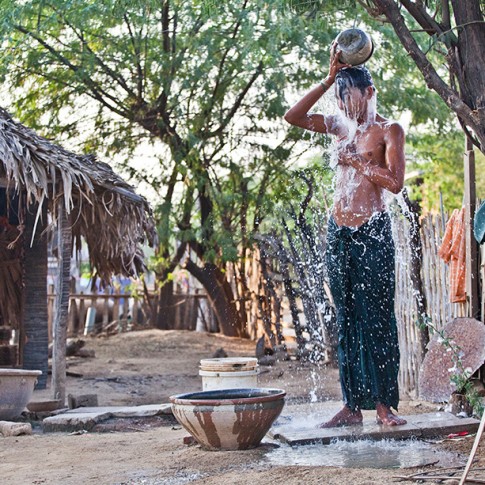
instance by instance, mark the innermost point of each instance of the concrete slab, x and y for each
(9, 428)
(146, 410)
(443, 424)
(73, 421)
(95, 410)
(143, 411)
(88, 418)
(418, 426)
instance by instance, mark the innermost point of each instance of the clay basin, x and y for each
(228, 419)
(16, 388)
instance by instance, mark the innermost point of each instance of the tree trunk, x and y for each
(64, 250)
(165, 317)
(221, 298)
(291, 295)
(471, 52)
(35, 338)
(274, 303)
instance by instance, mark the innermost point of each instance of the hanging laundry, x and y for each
(453, 252)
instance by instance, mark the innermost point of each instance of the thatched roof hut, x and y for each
(38, 180)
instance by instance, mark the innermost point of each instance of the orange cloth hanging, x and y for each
(453, 252)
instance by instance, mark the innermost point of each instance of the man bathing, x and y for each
(360, 249)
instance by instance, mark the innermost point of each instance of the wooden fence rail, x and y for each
(117, 312)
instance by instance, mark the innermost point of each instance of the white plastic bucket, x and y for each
(229, 380)
(229, 373)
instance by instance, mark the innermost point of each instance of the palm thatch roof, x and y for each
(103, 209)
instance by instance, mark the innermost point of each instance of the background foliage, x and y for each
(187, 99)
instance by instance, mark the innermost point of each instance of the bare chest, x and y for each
(370, 144)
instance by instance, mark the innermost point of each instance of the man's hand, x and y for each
(347, 154)
(335, 64)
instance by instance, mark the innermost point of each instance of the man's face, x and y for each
(353, 102)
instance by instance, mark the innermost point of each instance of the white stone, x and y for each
(9, 428)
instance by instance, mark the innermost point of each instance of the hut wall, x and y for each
(34, 338)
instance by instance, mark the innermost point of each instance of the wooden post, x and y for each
(64, 247)
(472, 274)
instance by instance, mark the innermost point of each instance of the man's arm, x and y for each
(390, 177)
(299, 114)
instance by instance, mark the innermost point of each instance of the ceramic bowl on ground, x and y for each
(355, 45)
(16, 388)
(228, 419)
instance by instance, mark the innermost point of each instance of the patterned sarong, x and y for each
(360, 264)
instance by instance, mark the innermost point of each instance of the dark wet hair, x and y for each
(353, 77)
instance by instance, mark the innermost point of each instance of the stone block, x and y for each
(8, 428)
(82, 401)
(73, 421)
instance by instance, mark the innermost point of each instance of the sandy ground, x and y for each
(145, 368)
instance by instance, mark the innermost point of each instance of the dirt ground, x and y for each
(146, 367)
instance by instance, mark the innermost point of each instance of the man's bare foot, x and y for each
(386, 417)
(345, 417)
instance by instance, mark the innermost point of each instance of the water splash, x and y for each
(364, 454)
(315, 384)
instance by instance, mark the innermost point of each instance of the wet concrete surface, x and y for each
(298, 425)
(384, 454)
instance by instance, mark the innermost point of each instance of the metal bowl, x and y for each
(355, 45)
(228, 419)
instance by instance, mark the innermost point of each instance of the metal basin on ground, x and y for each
(16, 388)
(228, 419)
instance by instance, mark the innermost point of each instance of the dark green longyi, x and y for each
(360, 265)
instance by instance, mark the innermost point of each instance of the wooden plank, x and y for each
(62, 303)
(472, 273)
(72, 319)
(81, 314)
(105, 312)
(116, 306)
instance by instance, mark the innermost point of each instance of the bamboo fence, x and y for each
(439, 310)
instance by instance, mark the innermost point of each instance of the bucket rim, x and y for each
(236, 373)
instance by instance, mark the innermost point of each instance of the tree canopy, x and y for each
(205, 93)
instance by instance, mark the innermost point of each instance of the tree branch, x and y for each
(221, 65)
(236, 104)
(107, 70)
(433, 80)
(96, 91)
(427, 22)
(136, 51)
